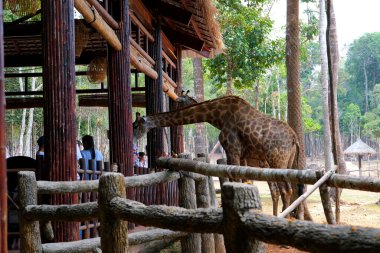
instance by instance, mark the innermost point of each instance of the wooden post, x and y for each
(222, 180)
(237, 199)
(114, 232)
(325, 198)
(154, 98)
(3, 168)
(59, 108)
(187, 199)
(176, 133)
(30, 230)
(218, 238)
(119, 93)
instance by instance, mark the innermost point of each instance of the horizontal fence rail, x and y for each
(239, 220)
(48, 187)
(264, 174)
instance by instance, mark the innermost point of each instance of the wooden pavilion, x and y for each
(135, 36)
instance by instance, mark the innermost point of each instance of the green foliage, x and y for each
(350, 120)
(372, 123)
(363, 54)
(249, 51)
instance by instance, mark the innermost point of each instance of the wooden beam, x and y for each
(184, 39)
(96, 21)
(139, 9)
(137, 22)
(105, 15)
(175, 13)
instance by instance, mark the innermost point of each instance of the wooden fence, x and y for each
(243, 228)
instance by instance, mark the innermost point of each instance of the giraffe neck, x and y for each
(215, 112)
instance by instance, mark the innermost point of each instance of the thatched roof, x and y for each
(359, 148)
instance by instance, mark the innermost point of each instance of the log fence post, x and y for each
(187, 199)
(325, 198)
(29, 230)
(114, 232)
(222, 180)
(238, 199)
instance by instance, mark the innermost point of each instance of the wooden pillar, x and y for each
(3, 168)
(155, 97)
(177, 133)
(59, 107)
(119, 93)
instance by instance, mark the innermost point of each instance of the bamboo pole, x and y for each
(96, 21)
(105, 15)
(301, 198)
(141, 64)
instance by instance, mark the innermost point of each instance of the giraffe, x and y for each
(245, 134)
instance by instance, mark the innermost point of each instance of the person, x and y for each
(41, 146)
(89, 152)
(141, 162)
(79, 147)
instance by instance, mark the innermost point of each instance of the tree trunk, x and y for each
(366, 86)
(229, 76)
(294, 86)
(200, 131)
(333, 59)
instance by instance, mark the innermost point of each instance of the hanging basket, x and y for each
(23, 7)
(97, 70)
(81, 37)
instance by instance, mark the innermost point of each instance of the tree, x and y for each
(200, 130)
(294, 86)
(248, 51)
(363, 63)
(351, 120)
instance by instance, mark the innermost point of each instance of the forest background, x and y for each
(252, 67)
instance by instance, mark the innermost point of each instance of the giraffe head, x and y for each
(185, 99)
(140, 127)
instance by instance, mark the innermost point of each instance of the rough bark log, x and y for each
(207, 220)
(93, 243)
(203, 201)
(79, 212)
(311, 237)
(114, 232)
(46, 187)
(30, 230)
(187, 199)
(237, 200)
(294, 176)
(326, 203)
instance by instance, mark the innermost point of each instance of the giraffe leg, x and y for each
(275, 194)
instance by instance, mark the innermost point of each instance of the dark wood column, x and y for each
(3, 174)
(59, 108)
(120, 98)
(176, 133)
(155, 97)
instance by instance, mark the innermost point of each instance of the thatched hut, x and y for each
(360, 149)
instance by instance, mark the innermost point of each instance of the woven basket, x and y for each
(23, 7)
(81, 37)
(97, 70)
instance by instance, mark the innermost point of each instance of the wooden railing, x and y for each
(239, 220)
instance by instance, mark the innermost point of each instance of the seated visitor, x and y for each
(89, 152)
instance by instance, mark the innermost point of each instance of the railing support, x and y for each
(30, 230)
(114, 232)
(237, 200)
